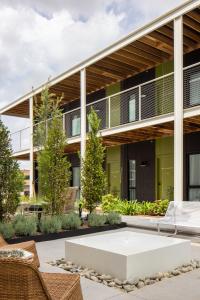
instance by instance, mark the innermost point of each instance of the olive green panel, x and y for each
(113, 168)
(164, 168)
(164, 68)
(163, 89)
(114, 103)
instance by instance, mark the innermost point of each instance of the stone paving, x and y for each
(183, 287)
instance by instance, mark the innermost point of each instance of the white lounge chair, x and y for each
(187, 214)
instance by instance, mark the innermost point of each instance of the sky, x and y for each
(40, 39)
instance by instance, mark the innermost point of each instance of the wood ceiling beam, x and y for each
(156, 44)
(187, 31)
(116, 65)
(99, 70)
(107, 67)
(145, 55)
(122, 58)
(194, 15)
(169, 33)
(152, 50)
(134, 52)
(191, 23)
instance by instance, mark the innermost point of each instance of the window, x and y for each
(195, 88)
(132, 108)
(194, 177)
(76, 125)
(132, 179)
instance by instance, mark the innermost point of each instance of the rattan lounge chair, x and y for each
(21, 280)
(28, 246)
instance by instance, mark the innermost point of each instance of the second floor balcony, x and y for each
(148, 100)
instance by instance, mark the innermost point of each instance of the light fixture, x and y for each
(144, 164)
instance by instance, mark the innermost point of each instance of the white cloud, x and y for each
(40, 38)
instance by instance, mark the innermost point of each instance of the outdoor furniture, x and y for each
(28, 246)
(21, 280)
(186, 215)
(70, 198)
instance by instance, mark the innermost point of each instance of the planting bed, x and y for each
(65, 233)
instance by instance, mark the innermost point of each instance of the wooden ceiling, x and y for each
(143, 54)
(191, 124)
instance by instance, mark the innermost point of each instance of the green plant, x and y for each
(25, 225)
(11, 178)
(96, 220)
(7, 230)
(50, 224)
(128, 207)
(70, 221)
(109, 203)
(53, 165)
(93, 179)
(160, 207)
(113, 218)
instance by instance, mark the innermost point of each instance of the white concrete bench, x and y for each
(186, 215)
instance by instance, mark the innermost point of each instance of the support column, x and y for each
(31, 148)
(178, 111)
(83, 112)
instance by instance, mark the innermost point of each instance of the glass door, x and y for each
(76, 179)
(132, 179)
(194, 177)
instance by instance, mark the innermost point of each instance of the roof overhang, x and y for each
(143, 49)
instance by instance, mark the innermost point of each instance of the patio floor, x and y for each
(183, 287)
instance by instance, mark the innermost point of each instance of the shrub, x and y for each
(113, 218)
(7, 230)
(93, 178)
(70, 221)
(50, 224)
(11, 178)
(25, 225)
(126, 207)
(96, 220)
(109, 203)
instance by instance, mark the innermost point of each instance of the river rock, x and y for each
(129, 288)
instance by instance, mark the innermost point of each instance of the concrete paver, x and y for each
(183, 287)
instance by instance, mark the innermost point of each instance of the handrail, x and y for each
(116, 94)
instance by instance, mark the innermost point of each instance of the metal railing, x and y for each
(144, 101)
(20, 140)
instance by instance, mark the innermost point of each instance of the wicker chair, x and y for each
(21, 280)
(70, 198)
(28, 246)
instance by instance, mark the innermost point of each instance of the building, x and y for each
(146, 90)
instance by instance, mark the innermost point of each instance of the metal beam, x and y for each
(178, 110)
(83, 112)
(32, 189)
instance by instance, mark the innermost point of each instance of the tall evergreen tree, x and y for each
(93, 179)
(11, 178)
(53, 165)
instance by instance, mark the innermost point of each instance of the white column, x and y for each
(83, 112)
(178, 111)
(31, 148)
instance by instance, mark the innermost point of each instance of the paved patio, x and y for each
(183, 287)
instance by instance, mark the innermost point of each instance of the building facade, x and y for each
(145, 89)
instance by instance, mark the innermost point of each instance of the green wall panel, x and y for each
(114, 104)
(113, 167)
(163, 89)
(164, 168)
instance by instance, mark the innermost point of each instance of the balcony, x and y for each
(146, 101)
